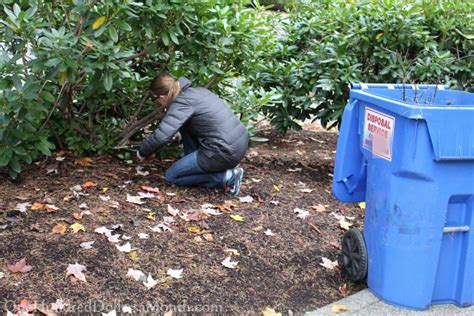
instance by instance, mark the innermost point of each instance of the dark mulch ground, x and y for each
(282, 271)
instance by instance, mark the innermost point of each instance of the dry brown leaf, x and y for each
(60, 228)
(20, 267)
(37, 206)
(344, 289)
(150, 189)
(339, 308)
(77, 215)
(25, 306)
(226, 207)
(258, 229)
(84, 162)
(319, 208)
(51, 208)
(194, 229)
(198, 215)
(270, 312)
(89, 184)
(208, 237)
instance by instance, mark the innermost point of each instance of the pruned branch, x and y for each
(130, 130)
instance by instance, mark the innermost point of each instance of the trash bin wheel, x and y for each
(354, 255)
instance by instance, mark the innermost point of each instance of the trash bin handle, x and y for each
(455, 229)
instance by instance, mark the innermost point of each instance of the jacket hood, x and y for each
(184, 83)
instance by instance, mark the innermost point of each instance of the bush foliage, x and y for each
(327, 45)
(75, 73)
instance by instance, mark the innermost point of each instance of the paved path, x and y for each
(365, 303)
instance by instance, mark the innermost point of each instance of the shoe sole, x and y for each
(239, 181)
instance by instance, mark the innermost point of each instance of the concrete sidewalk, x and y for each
(365, 303)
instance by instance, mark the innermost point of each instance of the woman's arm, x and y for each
(178, 113)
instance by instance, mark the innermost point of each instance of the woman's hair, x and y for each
(165, 84)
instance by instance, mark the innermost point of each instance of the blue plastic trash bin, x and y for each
(408, 152)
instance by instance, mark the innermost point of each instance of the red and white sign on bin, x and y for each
(378, 133)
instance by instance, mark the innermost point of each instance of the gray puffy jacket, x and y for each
(222, 138)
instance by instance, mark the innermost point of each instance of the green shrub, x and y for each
(75, 73)
(327, 45)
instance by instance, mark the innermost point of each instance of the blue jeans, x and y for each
(186, 171)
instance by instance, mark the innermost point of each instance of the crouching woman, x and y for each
(214, 140)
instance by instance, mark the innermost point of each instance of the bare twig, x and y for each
(315, 228)
(56, 104)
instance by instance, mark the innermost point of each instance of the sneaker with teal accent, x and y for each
(233, 184)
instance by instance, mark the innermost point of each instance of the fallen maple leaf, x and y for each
(20, 267)
(344, 224)
(134, 199)
(89, 184)
(25, 307)
(195, 215)
(237, 217)
(150, 282)
(77, 215)
(127, 309)
(143, 236)
(76, 227)
(133, 255)
(268, 232)
(328, 263)
(270, 312)
(339, 308)
(84, 162)
(125, 248)
(176, 274)
(137, 275)
(103, 231)
(226, 207)
(114, 238)
(161, 227)
(60, 228)
(208, 237)
(104, 198)
(172, 211)
(344, 289)
(76, 270)
(228, 263)
(37, 206)
(51, 208)
(194, 229)
(22, 207)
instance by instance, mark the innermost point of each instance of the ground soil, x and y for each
(281, 271)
